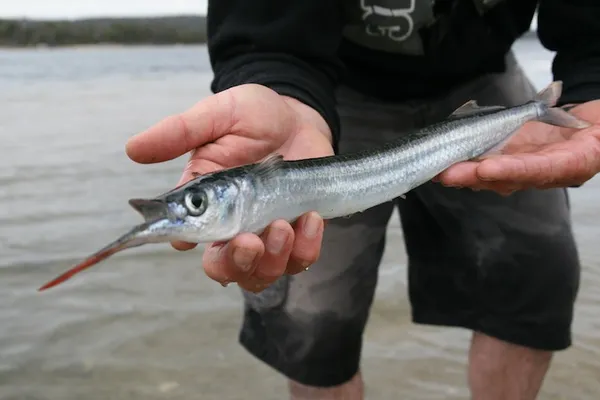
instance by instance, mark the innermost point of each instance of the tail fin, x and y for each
(549, 96)
(561, 118)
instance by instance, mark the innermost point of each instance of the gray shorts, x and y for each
(504, 266)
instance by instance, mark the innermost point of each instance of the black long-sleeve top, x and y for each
(393, 49)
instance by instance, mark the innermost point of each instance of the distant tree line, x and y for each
(159, 30)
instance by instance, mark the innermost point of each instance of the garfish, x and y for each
(220, 205)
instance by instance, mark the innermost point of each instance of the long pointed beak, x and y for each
(138, 236)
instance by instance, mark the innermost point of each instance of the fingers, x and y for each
(518, 168)
(183, 246)
(566, 164)
(249, 256)
(252, 110)
(507, 174)
(307, 246)
(468, 175)
(302, 248)
(234, 261)
(255, 262)
(279, 240)
(181, 133)
(460, 175)
(573, 163)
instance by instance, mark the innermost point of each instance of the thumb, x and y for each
(196, 167)
(178, 134)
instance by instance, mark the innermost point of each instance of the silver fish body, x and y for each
(343, 185)
(219, 206)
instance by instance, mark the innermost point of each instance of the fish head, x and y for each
(206, 209)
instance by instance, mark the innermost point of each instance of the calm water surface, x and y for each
(148, 324)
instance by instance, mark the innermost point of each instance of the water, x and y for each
(148, 324)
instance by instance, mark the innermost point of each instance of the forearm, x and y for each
(571, 28)
(290, 47)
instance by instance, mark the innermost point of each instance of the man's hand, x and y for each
(240, 126)
(539, 156)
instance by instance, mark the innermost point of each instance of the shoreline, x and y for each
(154, 31)
(96, 46)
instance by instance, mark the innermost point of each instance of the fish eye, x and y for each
(196, 203)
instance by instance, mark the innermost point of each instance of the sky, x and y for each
(58, 9)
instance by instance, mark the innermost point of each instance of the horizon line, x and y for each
(107, 16)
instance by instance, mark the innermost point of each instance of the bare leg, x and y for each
(497, 371)
(502, 371)
(351, 390)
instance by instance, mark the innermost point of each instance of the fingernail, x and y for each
(275, 240)
(243, 258)
(312, 225)
(261, 286)
(255, 286)
(225, 284)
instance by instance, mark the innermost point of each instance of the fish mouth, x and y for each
(157, 228)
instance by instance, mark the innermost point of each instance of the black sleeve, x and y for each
(571, 28)
(289, 46)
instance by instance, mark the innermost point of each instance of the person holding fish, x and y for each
(489, 240)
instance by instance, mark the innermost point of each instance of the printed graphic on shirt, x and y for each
(393, 25)
(388, 25)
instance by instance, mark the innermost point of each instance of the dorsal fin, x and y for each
(471, 108)
(268, 165)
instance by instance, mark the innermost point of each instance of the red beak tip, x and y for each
(48, 285)
(42, 288)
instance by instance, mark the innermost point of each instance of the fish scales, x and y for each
(338, 186)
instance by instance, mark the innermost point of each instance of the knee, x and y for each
(506, 369)
(502, 370)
